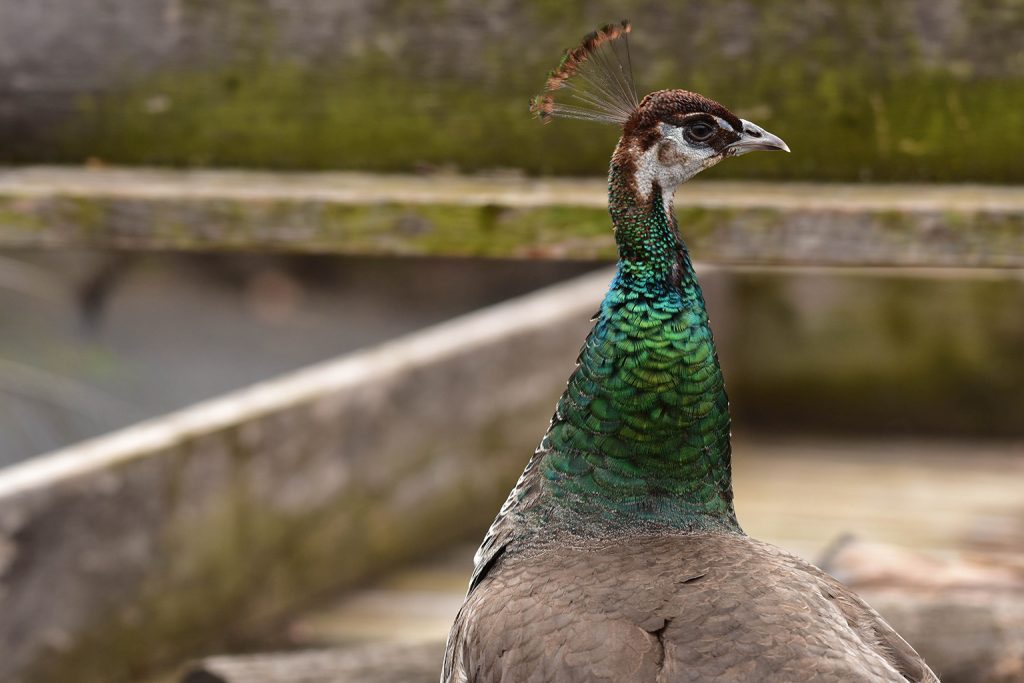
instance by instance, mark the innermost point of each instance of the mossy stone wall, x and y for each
(901, 90)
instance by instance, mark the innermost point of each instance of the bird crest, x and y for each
(596, 76)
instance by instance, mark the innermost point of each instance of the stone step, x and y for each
(506, 216)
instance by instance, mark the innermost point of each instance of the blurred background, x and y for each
(228, 423)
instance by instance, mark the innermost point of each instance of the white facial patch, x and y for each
(722, 123)
(671, 167)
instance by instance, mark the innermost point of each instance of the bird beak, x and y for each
(754, 138)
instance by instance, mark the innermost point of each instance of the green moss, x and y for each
(862, 90)
(468, 231)
(841, 124)
(88, 216)
(19, 218)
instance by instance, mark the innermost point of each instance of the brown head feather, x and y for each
(598, 77)
(601, 82)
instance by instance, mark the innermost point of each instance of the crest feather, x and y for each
(599, 75)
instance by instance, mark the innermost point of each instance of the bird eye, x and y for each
(700, 131)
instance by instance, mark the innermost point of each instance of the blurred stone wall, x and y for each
(834, 352)
(907, 90)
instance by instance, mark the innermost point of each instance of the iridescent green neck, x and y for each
(641, 435)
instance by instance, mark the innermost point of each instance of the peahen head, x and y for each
(667, 137)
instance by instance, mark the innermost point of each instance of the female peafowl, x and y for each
(617, 556)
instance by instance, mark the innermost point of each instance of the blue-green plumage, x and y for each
(641, 434)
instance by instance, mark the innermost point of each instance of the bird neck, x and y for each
(641, 435)
(645, 232)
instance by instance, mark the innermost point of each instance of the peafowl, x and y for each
(617, 556)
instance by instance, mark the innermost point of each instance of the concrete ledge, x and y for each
(206, 524)
(504, 216)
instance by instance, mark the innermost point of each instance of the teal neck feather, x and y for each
(641, 435)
